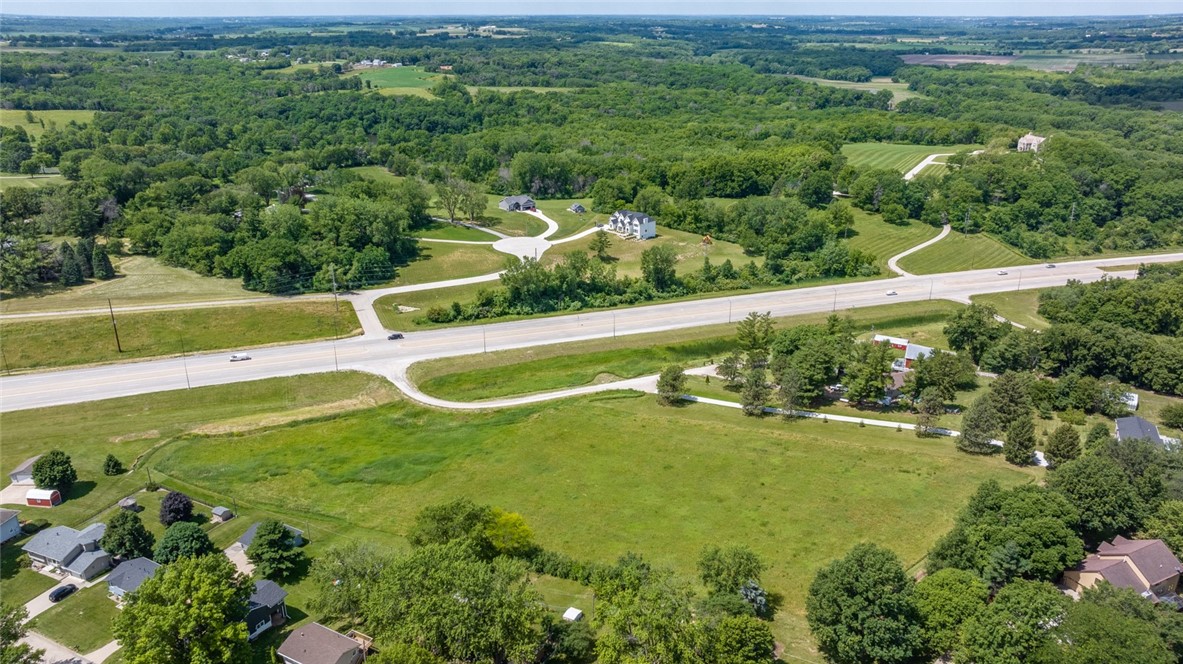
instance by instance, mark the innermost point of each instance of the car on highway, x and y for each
(395, 336)
(62, 593)
(239, 357)
(891, 293)
(1051, 265)
(1002, 273)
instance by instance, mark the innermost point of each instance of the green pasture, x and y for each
(959, 252)
(15, 181)
(57, 342)
(895, 156)
(397, 77)
(18, 118)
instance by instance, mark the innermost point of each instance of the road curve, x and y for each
(893, 262)
(374, 354)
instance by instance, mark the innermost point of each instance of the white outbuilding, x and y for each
(573, 615)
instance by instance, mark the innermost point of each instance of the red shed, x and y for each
(43, 497)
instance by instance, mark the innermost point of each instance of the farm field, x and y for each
(895, 156)
(398, 78)
(523, 371)
(140, 280)
(885, 240)
(57, 342)
(1070, 61)
(291, 69)
(601, 497)
(960, 252)
(14, 118)
(899, 91)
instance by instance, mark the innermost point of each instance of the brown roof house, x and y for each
(1145, 566)
(316, 644)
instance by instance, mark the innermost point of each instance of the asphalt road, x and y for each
(374, 354)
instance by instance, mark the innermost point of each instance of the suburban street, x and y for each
(373, 353)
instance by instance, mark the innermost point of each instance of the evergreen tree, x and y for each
(82, 253)
(112, 466)
(731, 369)
(1064, 445)
(1098, 435)
(600, 243)
(929, 411)
(670, 385)
(1011, 396)
(1020, 441)
(978, 427)
(183, 539)
(71, 273)
(101, 263)
(755, 392)
(272, 551)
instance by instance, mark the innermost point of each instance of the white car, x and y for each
(891, 293)
(1002, 273)
(239, 357)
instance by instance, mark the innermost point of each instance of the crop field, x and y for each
(899, 91)
(960, 252)
(611, 486)
(885, 240)
(397, 77)
(139, 280)
(952, 60)
(895, 156)
(57, 342)
(12, 118)
(1070, 61)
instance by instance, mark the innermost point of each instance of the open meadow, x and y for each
(899, 91)
(42, 120)
(895, 156)
(14, 181)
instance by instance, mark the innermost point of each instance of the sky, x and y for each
(583, 7)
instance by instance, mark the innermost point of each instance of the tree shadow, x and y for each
(80, 489)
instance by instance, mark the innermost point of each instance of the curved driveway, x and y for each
(893, 263)
(373, 353)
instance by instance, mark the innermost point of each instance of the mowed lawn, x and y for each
(15, 181)
(1021, 307)
(81, 622)
(885, 240)
(895, 156)
(438, 261)
(625, 254)
(140, 280)
(18, 118)
(56, 342)
(959, 252)
(599, 477)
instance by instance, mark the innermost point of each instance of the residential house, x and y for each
(23, 474)
(1136, 427)
(266, 608)
(632, 224)
(249, 536)
(516, 203)
(43, 497)
(577, 208)
(316, 644)
(72, 551)
(127, 577)
(10, 525)
(1146, 566)
(1031, 143)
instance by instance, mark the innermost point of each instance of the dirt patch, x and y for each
(602, 378)
(951, 60)
(252, 422)
(142, 435)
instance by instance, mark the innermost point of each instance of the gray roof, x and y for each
(316, 644)
(1136, 427)
(57, 542)
(1151, 557)
(914, 351)
(82, 561)
(25, 465)
(220, 511)
(131, 573)
(640, 216)
(268, 593)
(249, 535)
(520, 198)
(6, 514)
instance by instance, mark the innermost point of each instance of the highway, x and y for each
(373, 353)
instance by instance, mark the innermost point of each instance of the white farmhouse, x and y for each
(632, 224)
(1031, 143)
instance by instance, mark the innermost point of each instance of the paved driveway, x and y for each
(55, 653)
(237, 555)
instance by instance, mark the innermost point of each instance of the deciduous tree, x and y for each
(12, 630)
(657, 266)
(191, 610)
(175, 507)
(974, 329)
(1166, 524)
(600, 243)
(126, 537)
(344, 575)
(1015, 626)
(54, 471)
(183, 539)
(1102, 493)
(860, 609)
(945, 600)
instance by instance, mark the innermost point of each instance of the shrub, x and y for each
(1073, 416)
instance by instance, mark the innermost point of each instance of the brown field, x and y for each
(952, 60)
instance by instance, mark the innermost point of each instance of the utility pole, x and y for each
(114, 327)
(184, 362)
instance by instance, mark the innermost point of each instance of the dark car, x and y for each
(62, 593)
(395, 336)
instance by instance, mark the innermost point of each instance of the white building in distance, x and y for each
(632, 224)
(1031, 143)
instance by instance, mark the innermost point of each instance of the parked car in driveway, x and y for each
(239, 357)
(395, 336)
(62, 593)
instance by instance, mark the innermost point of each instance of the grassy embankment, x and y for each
(959, 252)
(56, 342)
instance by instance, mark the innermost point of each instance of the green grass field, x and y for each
(885, 240)
(557, 366)
(1018, 306)
(626, 254)
(15, 181)
(569, 222)
(899, 91)
(140, 280)
(57, 342)
(439, 260)
(960, 252)
(620, 484)
(81, 622)
(17, 118)
(20, 584)
(442, 230)
(894, 156)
